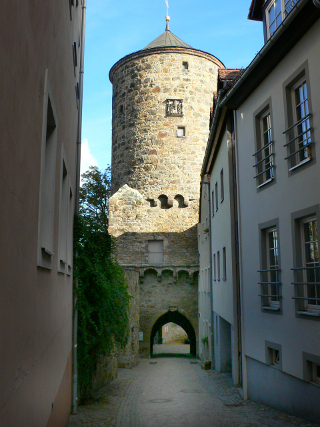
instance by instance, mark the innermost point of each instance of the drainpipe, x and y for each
(243, 371)
(211, 289)
(75, 313)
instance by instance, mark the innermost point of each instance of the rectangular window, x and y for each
(214, 268)
(264, 156)
(221, 186)
(307, 275)
(181, 131)
(218, 265)
(212, 203)
(185, 65)
(224, 264)
(274, 16)
(270, 272)
(47, 180)
(273, 355)
(216, 191)
(155, 252)
(299, 131)
(311, 368)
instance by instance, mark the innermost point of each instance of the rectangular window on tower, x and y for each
(155, 252)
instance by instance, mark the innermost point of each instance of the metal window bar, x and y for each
(271, 167)
(277, 284)
(300, 149)
(308, 130)
(269, 155)
(298, 123)
(306, 298)
(264, 160)
(264, 147)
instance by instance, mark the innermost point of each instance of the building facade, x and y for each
(274, 110)
(41, 50)
(161, 101)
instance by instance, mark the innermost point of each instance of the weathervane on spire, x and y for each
(167, 17)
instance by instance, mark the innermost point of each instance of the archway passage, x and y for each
(179, 319)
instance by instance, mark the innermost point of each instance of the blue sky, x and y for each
(115, 29)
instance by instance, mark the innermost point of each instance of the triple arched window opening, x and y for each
(166, 203)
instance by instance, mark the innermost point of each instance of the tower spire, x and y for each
(167, 17)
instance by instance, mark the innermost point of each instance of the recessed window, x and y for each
(155, 252)
(299, 119)
(274, 357)
(221, 186)
(273, 354)
(214, 268)
(224, 264)
(218, 265)
(264, 156)
(307, 275)
(212, 203)
(121, 109)
(181, 131)
(216, 193)
(311, 368)
(47, 183)
(270, 272)
(185, 65)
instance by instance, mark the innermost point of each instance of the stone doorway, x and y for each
(179, 319)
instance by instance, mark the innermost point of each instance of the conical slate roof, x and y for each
(165, 40)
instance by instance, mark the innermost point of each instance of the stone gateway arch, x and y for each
(162, 96)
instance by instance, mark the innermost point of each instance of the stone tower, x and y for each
(162, 96)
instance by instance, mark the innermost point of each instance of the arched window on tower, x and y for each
(165, 202)
(181, 201)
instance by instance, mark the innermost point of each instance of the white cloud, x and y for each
(87, 158)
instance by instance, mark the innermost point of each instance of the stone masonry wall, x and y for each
(156, 175)
(159, 296)
(146, 152)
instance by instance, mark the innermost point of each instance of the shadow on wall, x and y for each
(158, 248)
(179, 319)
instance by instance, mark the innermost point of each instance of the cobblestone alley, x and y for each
(167, 392)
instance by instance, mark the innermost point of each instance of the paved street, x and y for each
(174, 392)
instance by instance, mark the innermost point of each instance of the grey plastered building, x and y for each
(276, 108)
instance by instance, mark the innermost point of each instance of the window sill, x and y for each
(317, 384)
(271, 308)
(265, 183)
(309, 313)
(300, 164)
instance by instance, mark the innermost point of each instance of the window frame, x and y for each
(285, 10)
(264, 169)
(272, 350)
(271, 290)
(300, 76)
(301, 296)
(221, 186)
(47, 179)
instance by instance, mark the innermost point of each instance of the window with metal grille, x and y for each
(307, 277)
(264, 156)
(270, 272)
(299, 133)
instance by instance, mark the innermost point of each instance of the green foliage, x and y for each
(94, 197)
(102, 294)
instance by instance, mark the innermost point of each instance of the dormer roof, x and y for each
(255, 11)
